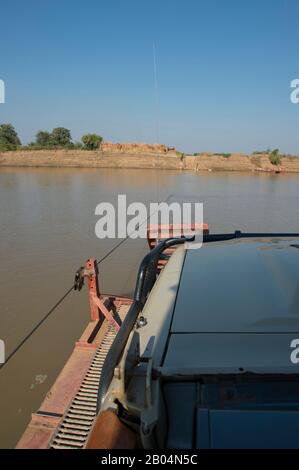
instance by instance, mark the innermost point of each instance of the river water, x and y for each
(47, 231)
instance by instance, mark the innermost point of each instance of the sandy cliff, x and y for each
(168, 160)
(110, 147)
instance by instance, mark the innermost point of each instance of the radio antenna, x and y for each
(156, 92)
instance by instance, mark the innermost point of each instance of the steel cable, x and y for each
(109, 253)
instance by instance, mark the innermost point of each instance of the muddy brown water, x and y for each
(47, 231)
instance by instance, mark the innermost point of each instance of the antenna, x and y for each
(2, 92)
(156, 92)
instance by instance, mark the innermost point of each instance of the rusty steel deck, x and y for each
(66, 415)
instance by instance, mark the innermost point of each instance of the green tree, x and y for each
(61, 137)
(9, 139)
(91, 141)
(274, 157)
(43, 139)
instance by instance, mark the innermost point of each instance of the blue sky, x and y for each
(224, 69)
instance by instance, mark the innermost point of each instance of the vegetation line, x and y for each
(60, 139)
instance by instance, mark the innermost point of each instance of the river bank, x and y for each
(168, 161)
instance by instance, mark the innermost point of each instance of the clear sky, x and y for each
(223, 71)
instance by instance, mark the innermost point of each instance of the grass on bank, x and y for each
(273, 155)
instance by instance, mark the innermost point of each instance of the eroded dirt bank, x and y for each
(167, 161)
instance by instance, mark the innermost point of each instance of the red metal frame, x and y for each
(96, 304)
(155, 233)
(44, 423)
(160, 231)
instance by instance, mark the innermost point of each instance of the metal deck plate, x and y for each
(76, 425)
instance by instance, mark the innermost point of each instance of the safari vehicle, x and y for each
(204, 356)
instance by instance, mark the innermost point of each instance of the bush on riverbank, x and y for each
(9, 139)
(60, 137)
(225, 155)
(274, 157)
(91, 141)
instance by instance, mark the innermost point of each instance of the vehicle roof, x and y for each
(227, 307)
(240, 286)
